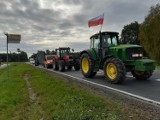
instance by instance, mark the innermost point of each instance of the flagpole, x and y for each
(101, 27)
(102, 23)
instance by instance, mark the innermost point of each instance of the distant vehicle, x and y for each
(64, 58)
(40, 58)
(32, 61)
(47, 63)
(43, 59)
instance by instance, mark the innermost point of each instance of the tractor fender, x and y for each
(89, 53)
(106, 57)
(56, 58)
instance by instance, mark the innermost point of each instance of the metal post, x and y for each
(7, 57)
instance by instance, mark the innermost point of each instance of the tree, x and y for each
(34, 55)
(14, 57)
(23, 56)
(129, 34)
(150, 33)
(48, 52)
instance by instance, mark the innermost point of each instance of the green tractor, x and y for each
(114, 59)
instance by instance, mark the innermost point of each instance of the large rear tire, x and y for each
(61, 66)
(86, 65)
(139, 75)
(114, 70)
(69, 67)
(77, 65)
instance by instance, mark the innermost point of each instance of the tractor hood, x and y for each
(126, 52)
(124, 46)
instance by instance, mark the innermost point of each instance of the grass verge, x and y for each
(13, 95)
(158, 67)
(56, 99)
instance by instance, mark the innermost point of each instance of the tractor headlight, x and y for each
(137, 55)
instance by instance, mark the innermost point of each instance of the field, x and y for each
(34, 94)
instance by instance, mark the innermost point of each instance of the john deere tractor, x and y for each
(114, 59)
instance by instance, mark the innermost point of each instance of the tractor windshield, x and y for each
(109, 40)
(49, 57)
(64, 52)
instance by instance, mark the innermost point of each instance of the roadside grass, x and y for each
(63, 100)
(158, 67)
(58, 99)
(13, 95)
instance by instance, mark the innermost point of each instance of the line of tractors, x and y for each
(105, 53)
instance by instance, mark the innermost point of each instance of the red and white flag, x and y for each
(96, 21)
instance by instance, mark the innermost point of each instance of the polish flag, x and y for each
(96, 21)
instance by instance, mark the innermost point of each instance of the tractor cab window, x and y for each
(96, 42)
(106, 40)
(114, 40)
(57, 52)
(65, 52)
(49, 57)
(109, 40)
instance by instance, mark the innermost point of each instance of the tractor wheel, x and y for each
(114, 70)
(139, 75)
(87, 66)
(69, 67)
(61, 66)
(55, 65)
(77, 66)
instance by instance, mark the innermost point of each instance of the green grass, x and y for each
(58, 99)
(158, 67)
(12, 94)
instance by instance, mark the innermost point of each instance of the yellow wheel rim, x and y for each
(111, 71)
(85, 65)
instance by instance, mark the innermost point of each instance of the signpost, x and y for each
(14, 38)
(11, 38)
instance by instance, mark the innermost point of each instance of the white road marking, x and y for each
(158, 80)
(110, 88)
(100, 72)
(129, 76)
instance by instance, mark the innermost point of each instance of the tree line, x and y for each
(47, 52)
(14, 57)
(146, 34)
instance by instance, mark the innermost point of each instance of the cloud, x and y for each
(46, 24)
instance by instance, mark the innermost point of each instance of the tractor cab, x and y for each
(61, 52)
(101, 42)
(104, 40)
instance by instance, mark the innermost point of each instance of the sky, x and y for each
(50, 24)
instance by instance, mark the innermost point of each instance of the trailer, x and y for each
(40, 58)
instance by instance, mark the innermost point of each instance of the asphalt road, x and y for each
(148, 90)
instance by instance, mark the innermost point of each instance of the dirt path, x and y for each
(34, 110)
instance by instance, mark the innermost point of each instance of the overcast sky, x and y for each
(49, 24)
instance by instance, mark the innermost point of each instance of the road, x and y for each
(148, 90)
